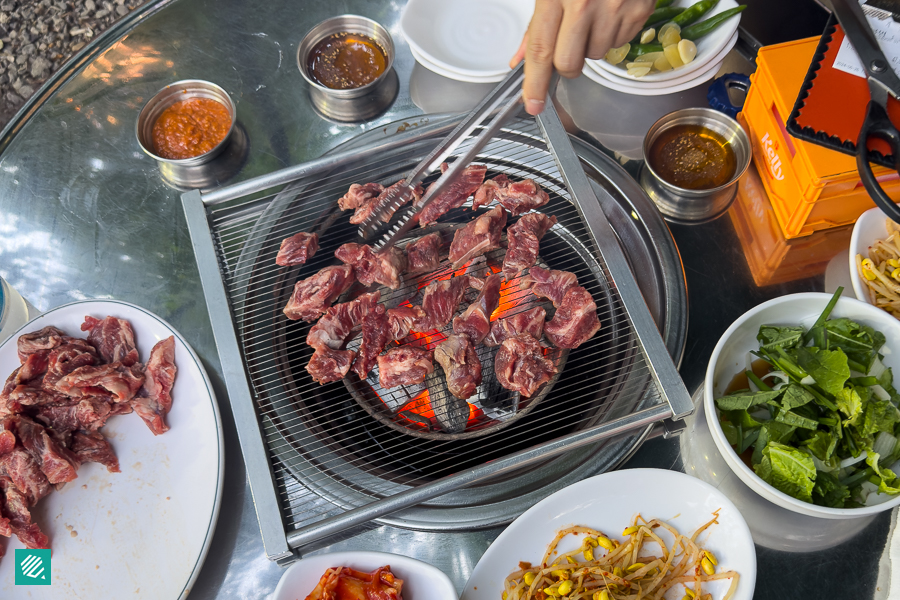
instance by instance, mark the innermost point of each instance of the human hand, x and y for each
(563, 32)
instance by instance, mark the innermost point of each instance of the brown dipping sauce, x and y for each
(693, 157)
(344, 61)
(190, 128)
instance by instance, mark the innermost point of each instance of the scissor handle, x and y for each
(878, 125)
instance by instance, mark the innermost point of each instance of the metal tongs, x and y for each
(883, 84)
(502, 102)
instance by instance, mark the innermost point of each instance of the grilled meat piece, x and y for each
(575, 321)
(489, 191)
(454, 195)
(403, 319)
(518, 197)
(312, 296)
(424, 254)
(334, 328)
(404, 365)
(523, 239)
(521, 366)
(441, 299)
(461, 365)
(529, 322)
(475, 321)
(370, 267)
(376, 333)
(359, 195)
(552, 285)
(328, 364)
(480, 235)
(297, 249)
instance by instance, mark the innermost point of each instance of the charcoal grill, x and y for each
(325, 459)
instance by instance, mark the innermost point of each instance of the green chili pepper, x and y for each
(694, 12)
(639, 49)
(667, 13)
(698, 30)
(663, 3)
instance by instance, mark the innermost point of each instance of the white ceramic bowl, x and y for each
(730, 358)
(707, 47)
(423, 60)
(470, 37)
(700, 79)
(631, 82)
(870, 227)
(421, 581)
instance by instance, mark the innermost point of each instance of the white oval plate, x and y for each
(469, 37)
(608, 502)
(451, 74)
(870, 227)
(645, 91)
(144, 532)
(707, 47)
(631, 82)
(421, 581)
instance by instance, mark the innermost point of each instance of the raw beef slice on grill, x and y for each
(334, 328)
(359, 195)
(390, 196)
(312, 296)
(530, 322)
(376, 333)
(480, 235)
(113, 338)
(455, 193)
(552, 285)
(159, 377)
(297, 249)
(575, 321)
(461, 365)
(403, 319)
(404, 365)
(475, 321)
(328, 364)
(441, 299)
(373, 267)
(518, 197)
(523, 242)
(521, 366)
(424, 254)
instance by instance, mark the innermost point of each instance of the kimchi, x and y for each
(344, 583)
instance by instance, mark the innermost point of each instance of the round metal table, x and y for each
(85, 214)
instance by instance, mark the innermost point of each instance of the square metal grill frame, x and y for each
(282, 546)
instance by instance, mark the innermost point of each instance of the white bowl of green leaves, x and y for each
(818, 434)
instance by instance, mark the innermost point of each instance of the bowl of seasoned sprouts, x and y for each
(875, 261)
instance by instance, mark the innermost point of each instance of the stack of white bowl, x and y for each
(711, 52)
(466, 40)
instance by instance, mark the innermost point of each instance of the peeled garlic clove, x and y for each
(672, 55)
(669, 34)
(649, 57)
(662, 63)
(638, 71)
(687, 50)
(617, 55)
(639, 64)
(648, 35)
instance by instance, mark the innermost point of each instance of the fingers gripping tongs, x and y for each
(501, 103)
(883, 82)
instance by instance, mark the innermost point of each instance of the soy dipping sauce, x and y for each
(693, 157)
(344, 61)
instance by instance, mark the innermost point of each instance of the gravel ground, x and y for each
(39, 36)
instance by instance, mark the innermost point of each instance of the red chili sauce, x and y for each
(190, 128)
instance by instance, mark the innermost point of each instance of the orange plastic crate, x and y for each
(811, 188)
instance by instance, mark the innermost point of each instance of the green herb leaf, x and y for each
(771, 337)
(880, 415)
(850, 403)
(730, 431)
(795, 395)
(822, 445)
(789, 417)
(771, 431)
(743, 419)
(828, 491)
(745, 399)
(829, 368)
(788, 469)
(887, 477)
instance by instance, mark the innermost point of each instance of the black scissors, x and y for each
(883, 82)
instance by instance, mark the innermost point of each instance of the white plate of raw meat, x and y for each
(143, 532)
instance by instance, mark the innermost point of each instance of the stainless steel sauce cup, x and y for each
(356, 104)
(681, 205)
